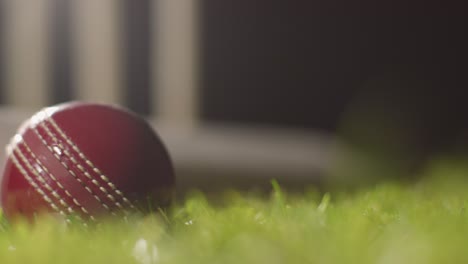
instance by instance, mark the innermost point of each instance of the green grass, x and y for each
(423, 222)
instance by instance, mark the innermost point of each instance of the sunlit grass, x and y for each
(423, 222)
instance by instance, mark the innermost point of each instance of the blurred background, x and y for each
(247, 91)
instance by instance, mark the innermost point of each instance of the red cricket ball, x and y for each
(88, 160)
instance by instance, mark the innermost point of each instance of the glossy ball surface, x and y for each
(85, 159)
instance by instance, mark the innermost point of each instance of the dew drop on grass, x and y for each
(145, 252)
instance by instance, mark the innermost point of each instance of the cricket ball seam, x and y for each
(42, 181)
(72, 158)
(35, 186)
(72, 173)
(101, 175)
(54, 179)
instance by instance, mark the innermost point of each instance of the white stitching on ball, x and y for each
(54, 179)
(87, 161)
(70, 171)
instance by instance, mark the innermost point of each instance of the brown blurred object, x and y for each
(401, 120)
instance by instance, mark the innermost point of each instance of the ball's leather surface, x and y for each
(86, 159)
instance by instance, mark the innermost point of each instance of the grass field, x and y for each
(422, 222)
